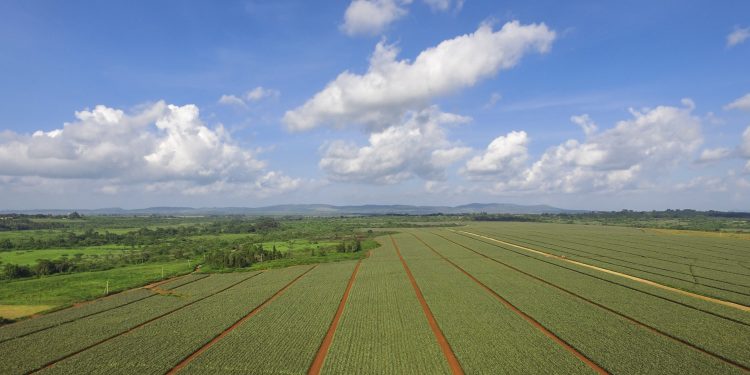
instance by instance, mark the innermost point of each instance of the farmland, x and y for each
(485, 297)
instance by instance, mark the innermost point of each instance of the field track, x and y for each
(525, 316)
(578, 296)
(444, 346)
(52, 363)
(630, 277)
(249, 315)
(320, 356)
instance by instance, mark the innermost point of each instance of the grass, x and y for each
(30, 257)
(62, 290)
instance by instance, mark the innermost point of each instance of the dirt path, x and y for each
(320, 357)
(603, 307)
(525, 316)
(629, 277)
(236, 324)
(455, 366)
(52, 363)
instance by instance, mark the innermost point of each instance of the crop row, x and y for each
(383, 329)
(609, 340)
(487, 337)
(36, 350)
(647, 247)
(712, 333)
(98, 306)
(695, 246)
(162, 344)
(735, 293)
(732, 282)
(284, 337)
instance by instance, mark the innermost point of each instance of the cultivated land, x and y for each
(482, 298)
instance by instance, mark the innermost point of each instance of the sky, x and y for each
(596, 105)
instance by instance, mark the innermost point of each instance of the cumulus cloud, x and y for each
(742, 103)
(254, 95)
(627, 156)
(739, 35)
(586, 123)
(714, 154)
(390, 87)
(156, 144)
(372, 16)
(505, 156)
(418, 147)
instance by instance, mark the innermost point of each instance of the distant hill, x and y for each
(314, 210)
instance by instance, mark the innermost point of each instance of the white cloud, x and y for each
(231, 100)
(390, 87)
(254, 95)
(631, 155)
(156, 144)
(261, 92)
(742, 103)
(745, 147)
(444, 5)
(714, 154)
(494, 98)
(586, 123)
(739, 35)
(372, 16)
(417, 147)
(505, 156)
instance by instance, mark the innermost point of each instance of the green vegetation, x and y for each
(295, 323)
(383, 308)
(65, 289)
(190, 327)
(508, 296)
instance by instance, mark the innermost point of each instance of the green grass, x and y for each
(61, 290)
(30, 257)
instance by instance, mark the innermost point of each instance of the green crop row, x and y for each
(159, 346)
(383, 329)
(31, 352)
(735, 290)
(683, 276)
(618, 344)
(284, 337)
(486, 336)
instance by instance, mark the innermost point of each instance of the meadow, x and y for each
(486, 297)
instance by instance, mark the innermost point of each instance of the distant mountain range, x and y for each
(314, 210)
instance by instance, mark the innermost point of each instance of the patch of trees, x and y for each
(242, 256)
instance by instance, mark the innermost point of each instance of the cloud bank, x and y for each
(390, 87)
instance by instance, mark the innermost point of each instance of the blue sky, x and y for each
(588, 104)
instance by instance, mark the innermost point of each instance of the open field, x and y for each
(29, 257)
(483, 298)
